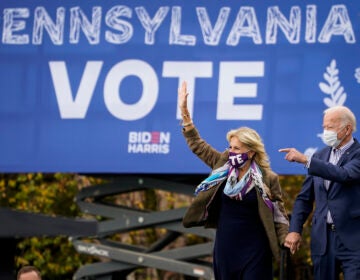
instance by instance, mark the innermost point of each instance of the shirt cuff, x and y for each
(307, 164)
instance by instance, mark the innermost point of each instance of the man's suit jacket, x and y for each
(342, 198)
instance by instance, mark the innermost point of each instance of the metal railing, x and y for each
(122, 258)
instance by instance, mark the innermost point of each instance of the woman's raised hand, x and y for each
(182, 96)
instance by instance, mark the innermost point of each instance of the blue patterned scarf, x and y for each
(234, 188)
(237, 189)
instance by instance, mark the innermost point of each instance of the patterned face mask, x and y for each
(238, 160)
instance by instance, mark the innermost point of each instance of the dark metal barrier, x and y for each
(16, 225)
(122, 259)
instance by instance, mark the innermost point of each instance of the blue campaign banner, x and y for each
(91, 86)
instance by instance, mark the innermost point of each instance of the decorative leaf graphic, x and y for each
(325, 88)
(329, 102)
(336, 85)
(333, 86)
(342, 99)
(338, 93)
(335, 92)
(357, 74)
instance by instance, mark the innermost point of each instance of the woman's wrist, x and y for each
(186, 124)
(185, 114)
(186, 119)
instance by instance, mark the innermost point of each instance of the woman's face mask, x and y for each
(238, 160)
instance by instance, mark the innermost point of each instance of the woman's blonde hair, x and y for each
(252, 140)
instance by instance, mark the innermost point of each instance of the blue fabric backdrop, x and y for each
(91, 86)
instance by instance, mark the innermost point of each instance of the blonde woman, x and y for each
(241, 198)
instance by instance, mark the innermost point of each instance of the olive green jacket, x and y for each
(203, 210)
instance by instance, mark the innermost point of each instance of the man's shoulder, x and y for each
(354, 148)
(356, 144)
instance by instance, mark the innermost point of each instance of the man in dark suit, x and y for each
(333, 183)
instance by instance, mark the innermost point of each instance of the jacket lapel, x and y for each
(345, 156)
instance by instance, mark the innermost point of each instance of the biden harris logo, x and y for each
(149, 142)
